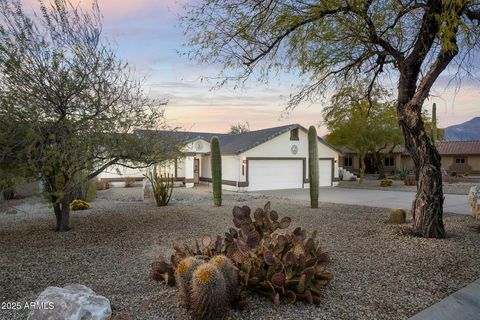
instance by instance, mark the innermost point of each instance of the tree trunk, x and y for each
(427, 208)
(380, 167)
(63, 219)
(58, 215)
(362, 168)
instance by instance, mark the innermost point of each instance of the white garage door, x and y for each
(275, 174)
(325, 172)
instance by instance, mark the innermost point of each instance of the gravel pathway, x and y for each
(380, 273)
(448, 188)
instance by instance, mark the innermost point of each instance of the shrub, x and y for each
(466, 174)
(410, 180)
(103, 184)
(386, 183)
(162, 188)
(79, 205)
(84, 188)
(129, 182)
(402, 172)
(284, 266)
(398, 216)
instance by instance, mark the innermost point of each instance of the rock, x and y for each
(398, 216)
(473, 199)
(72, 302)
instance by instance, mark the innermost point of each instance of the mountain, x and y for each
(469, 130)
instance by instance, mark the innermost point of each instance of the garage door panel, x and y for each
(275, 174)
(325, 173)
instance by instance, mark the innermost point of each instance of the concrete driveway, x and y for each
(372, 198)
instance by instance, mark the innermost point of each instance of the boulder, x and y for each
(72, 302)
(473, 199)
(398, 216)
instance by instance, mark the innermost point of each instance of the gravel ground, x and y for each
(398, 185)
(380, 273)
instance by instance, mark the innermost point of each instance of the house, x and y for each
(458, 157)
(268, 159)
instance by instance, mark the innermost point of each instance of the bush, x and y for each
(162, 188)
(129, 182)
(398, 216)
(79, 205)
(402, 172)
(466, 174)
(84, 189)
(103, 184)
(386, 183)
(285, 266)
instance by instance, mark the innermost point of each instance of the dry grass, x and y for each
(381, 272)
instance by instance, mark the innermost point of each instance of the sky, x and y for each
(148, 35)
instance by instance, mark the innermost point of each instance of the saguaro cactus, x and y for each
(313, 166)
(216, 163)
(434, 123)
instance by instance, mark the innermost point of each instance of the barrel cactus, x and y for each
(183, 277)
(313, 175)
(398, 216)
(216, 163)
(209, 293)
(230, 273)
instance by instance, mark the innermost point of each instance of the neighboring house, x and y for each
(457, 157)
(269, 159)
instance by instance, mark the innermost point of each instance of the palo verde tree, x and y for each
(239, 128)
(367, 127)
(62, 81)
(333, 43)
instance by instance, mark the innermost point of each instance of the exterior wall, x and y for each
(117, 171)
(407, 162)
(197, 146)
(355, 167)
(471, 165)
(205, 167)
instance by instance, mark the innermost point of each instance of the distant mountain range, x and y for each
(469, 130)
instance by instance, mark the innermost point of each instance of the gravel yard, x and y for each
(398, 185)
(380, 273)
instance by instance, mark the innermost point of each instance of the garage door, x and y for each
(325, 172)
(275, 174)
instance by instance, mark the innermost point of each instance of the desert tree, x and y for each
(369, 127)
(334, 43)
(239, 128)
(80, 103)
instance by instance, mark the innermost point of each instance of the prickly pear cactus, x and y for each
(183, 278)
(209, 293)
(216, 163)
(313, 166)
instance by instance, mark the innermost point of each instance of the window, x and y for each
(460, 160)
(294, 134)
(389, 162)
(347, 162)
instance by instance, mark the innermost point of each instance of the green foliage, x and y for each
(403, 172)
(313, 166)
(239, 128)
(209, 293)
(162, 187)
(79, 205)
(434, 123)
(84, 188)
(398, 216)
(386, 183)
(216, 164)
(284, 266)
(72, 98)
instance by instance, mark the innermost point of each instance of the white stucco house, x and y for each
(268, 159)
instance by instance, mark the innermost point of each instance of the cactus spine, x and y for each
(434, 123)
(216, 164)
(229, 272)
(313, 176)
(209, 293)
(183, 278)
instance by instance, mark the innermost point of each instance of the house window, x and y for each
(389, 162)
(460, 160)
(294, 134)
(347, 162)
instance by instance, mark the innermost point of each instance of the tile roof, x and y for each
(233, 143)
(450, 148)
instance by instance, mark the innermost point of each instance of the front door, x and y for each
(196, 171)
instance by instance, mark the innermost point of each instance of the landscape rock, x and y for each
(72, 302)
(398, 216)
(473, 199)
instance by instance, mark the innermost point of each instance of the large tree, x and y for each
(367, 127)
(336, 42)
(62, 82)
